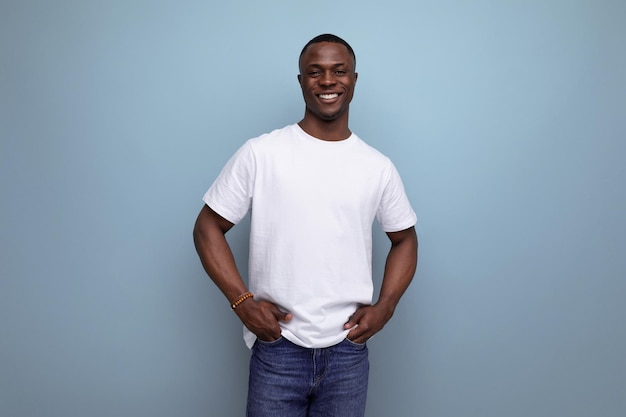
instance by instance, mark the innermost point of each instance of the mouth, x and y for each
(328, 96)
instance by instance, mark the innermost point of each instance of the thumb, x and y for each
(353, 320)
(281, 315)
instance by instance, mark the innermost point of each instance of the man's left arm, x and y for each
(399, 270)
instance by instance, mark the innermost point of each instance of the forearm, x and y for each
(260, 317)
(399, 268)
(215, 253)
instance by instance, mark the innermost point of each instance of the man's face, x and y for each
(327, 79)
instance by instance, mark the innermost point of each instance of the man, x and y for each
(314, 189)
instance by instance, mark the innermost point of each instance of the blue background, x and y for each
(506, 119)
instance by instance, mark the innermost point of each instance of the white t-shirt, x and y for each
(313, 203)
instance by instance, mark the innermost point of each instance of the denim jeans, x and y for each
(287, 380)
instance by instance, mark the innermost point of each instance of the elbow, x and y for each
(200, 229)
(196, 234)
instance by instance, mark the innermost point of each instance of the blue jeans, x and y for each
(287, 380)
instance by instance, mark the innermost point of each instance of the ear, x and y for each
(300, 79)
(356, 76)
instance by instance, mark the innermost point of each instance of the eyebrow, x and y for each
(320, 65)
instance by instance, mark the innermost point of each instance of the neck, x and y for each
(329, 130)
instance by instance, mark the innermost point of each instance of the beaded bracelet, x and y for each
(243, 297)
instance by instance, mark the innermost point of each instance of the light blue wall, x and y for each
(507, 120)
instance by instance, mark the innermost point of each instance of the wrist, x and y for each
(240, 300)
(387, 306)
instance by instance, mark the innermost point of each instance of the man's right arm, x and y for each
(260, 317)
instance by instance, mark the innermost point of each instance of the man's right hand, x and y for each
(261, 318)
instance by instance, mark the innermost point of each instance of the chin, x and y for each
(329, 117)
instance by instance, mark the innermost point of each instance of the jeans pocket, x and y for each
(355, 344)
(269, 343)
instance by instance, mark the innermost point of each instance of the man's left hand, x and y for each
(367, 321)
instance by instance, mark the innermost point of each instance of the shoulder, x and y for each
(275, 136)
(265, 143)
(370, 152)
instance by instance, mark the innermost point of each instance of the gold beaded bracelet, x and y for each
(243, 297)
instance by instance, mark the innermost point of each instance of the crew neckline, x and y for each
(312, 138)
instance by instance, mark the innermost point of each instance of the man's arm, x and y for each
(209, 232)
(399, 270)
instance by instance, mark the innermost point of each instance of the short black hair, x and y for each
(328, 37)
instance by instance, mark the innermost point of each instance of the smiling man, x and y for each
(327, 77)
(314, 190)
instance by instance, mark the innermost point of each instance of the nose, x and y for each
(327, 78)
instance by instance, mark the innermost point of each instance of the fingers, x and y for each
(262, 318)
(365, 323)
(353, 320)
(281, 315)
(274, 331)
(357, 327)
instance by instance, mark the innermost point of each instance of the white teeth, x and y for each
(328, 96)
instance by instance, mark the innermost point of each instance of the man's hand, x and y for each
(399, 270)
(368, 320)
(261, 318)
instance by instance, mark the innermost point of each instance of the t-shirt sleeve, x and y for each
(395, 212)
(230, 195)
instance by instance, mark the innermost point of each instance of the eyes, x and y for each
(314, 73)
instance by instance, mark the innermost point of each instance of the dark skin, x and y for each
(327, 78)
(260, 317)
(327, 68)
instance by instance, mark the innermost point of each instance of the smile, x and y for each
(328, 96)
